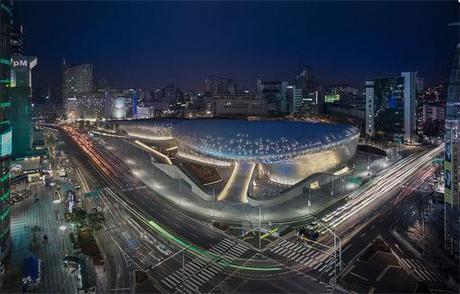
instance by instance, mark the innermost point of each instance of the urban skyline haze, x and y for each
(150, 44)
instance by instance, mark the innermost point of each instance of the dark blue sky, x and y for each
(149, 44)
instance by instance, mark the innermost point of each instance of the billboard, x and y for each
(6, 143)
(448, 173)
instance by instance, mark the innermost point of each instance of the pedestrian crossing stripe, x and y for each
(199, 272)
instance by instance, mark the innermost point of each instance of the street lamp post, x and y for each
(332, 186)
(260, 227)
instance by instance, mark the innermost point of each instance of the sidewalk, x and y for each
(49, 217)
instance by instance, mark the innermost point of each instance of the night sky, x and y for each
(150, 44)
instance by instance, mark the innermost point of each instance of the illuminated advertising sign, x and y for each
(19, 63)
(448, 152)
(6, 144)
(448, 174)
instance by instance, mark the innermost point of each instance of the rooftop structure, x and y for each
(261, 141)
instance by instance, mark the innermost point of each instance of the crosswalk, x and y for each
(305, 255)
(420, 271)
(198, 272)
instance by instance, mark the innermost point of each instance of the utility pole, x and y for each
(332, 186)
(260, 227)
(183, 270)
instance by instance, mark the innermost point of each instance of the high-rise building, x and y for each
(452, 161)
(310, 93)
(17, 41)
(433, 112)
(275, 94)
(5, 129)
(295, 99)
(20, 110)
(304, 80)
(76, 80)
(391, 107)
(220, 86)
(412, 85)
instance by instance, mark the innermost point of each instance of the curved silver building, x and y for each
(285, 151)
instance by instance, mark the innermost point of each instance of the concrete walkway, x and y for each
(48, 216)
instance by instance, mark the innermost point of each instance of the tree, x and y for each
(422, 235)
(95, 219)
(78, 216)
(415, 232)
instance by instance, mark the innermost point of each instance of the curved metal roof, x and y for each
(264, 141)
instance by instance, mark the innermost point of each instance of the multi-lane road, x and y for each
(207, 244)
(213, 260)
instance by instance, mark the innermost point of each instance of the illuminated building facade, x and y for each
(295, 99)
(275, 94)
(452, 161)
(391, 107)
(280, 152)
(76, 80)
(5, 128)
(285, 151)
(20, 110)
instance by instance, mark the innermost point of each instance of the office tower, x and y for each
(304, 80)
(433, 112)
(411, 87)
(310, 93)
(452, 161)
(76, 80)
(16, 41)
(20, 110)
(275, 95)
(220, 86)
(391, 107)
(5, 128)
(295, 99)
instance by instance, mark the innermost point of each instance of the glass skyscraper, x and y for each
(452, 161)
(5, 128)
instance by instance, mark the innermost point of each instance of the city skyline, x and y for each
(229, 147)
(186, 44)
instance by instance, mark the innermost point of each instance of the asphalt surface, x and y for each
(305, 267)
(121, 183)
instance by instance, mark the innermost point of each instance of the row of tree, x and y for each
(94, 219)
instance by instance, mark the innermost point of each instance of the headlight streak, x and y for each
(388, 181)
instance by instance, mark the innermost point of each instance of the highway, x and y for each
(367, 213)
(151, 211)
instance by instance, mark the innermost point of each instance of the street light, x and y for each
(332, 186)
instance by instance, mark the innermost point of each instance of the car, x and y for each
(313, 226)
(77, 186)
(164, 249)
(312, 235)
